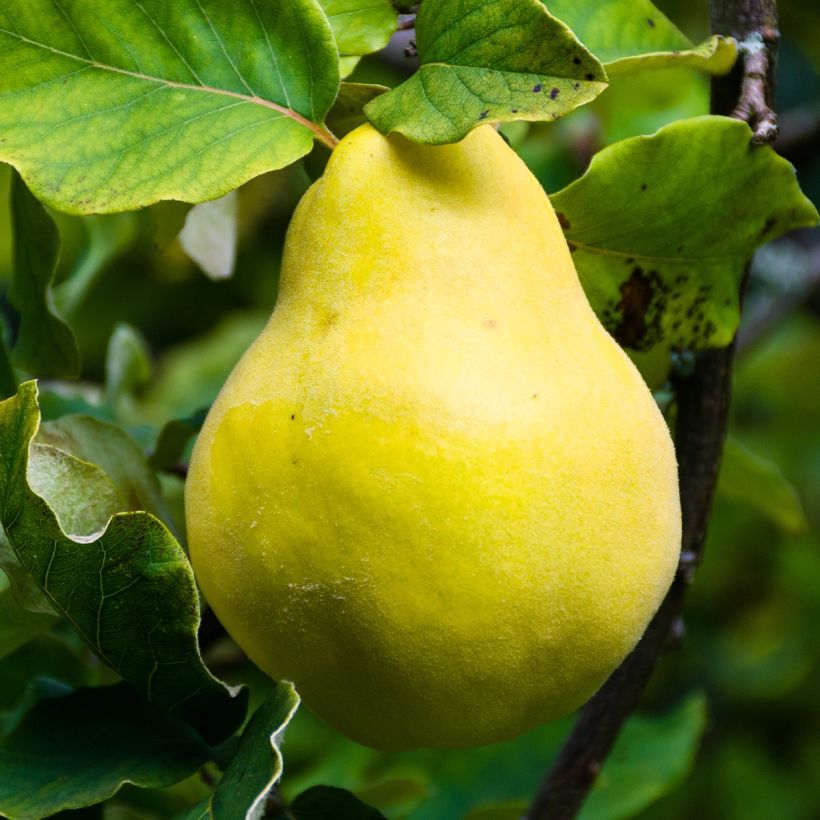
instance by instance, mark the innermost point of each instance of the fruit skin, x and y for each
(434, 493)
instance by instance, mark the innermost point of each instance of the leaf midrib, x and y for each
(321, 133)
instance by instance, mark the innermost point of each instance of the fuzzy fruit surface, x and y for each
(434, 493)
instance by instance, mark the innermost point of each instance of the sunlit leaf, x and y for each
(487, 61)
(184, 100)
(634, 35)
(360, 27)
(661, 229)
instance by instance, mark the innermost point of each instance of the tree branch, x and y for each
(703, 398)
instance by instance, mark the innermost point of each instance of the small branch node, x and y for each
(753, 106)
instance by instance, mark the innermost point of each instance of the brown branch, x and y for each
(703, 398)
(752, 107)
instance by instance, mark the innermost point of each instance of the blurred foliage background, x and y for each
(731, 724)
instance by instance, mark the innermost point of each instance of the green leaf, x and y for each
(129, 591)
(8, 381)
(173, 440)
(18, 625)
(360, 27)
(716, 55)
(45, 344)
(257, 765)
(758, 482)
(633, 35)
(42, 657)
(111, 449)
(209, 235)
(487, 61)
(183, 100)
(330, 803)
(78, 749)
(127, 368)
(661, 229)
(348, 110)
(651, 757)
(107, 237)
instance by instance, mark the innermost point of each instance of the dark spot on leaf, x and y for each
(554, 92)
(483, 115)
(680, 248)
(643, 186)
(562, 220)
(576, 60)
(770, 223)
(576, 86)
(637, 294)
(631, 260)
(572, 247)
(514, 110)
(590, 76)
(537, 87)
(650, 22)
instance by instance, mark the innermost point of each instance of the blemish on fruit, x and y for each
(293, 416)
(562, 220)
(483, 115)
(554, 92)
(490, 324)
(537, 87)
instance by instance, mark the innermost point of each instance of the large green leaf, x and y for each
(487, 61)
(44, 344)
(78, 749)
(634, 35)
(360, 27)
(128, 590)
(662, 227)
(112, 108)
